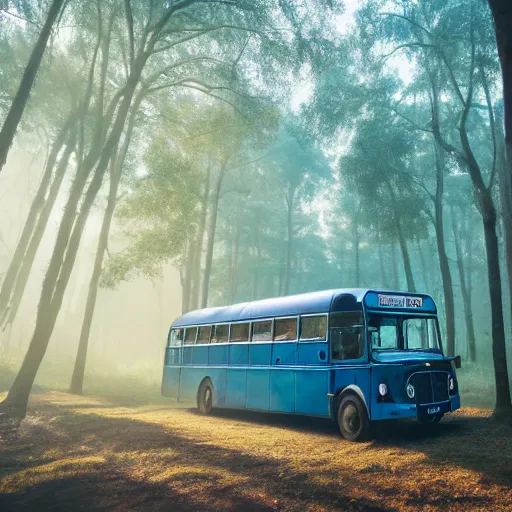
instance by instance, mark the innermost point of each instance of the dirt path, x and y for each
(112, 454)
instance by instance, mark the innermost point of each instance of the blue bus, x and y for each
(354, 355)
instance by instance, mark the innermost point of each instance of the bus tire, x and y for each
(205, 397)
(352, 418)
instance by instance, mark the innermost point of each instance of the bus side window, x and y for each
(220, 333)
(262, 331)
(346, 343)
(176, 338)
(313, 327)
(190, 335)
(346, 335)
(285, 329)
(204, 334)
(239, 332)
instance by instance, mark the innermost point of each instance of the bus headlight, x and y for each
(410, 391)
(383, 389)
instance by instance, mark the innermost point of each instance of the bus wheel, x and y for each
(352, 418)
(205, 397)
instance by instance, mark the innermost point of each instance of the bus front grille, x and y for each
(430, 387)
(439, 386)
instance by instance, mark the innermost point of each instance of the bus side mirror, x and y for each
(458, 362)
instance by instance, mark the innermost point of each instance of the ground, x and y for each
(122, 453)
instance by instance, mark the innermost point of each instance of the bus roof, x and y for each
(290, 305)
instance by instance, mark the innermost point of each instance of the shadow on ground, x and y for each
(66, 460)
(102, 472)
(445, 442)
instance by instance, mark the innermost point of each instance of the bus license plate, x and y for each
(433, 410)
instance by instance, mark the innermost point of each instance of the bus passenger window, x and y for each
(313, 327)
(346, 343)
(220, 333)
(239, 332)
(190, 335)
(204, 334)
(285, 329)
(262, 331)
(176, 338)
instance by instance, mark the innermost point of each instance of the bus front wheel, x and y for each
(352, 418)
(205, 397)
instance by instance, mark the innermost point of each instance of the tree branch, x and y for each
(129, 21)
(187, 82)
(492, 122)
(407, 45)
(152, 78)
(17, 16)
(402, 17)
(206, 31)
(411, 122)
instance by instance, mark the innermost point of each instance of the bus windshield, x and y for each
(392, 332)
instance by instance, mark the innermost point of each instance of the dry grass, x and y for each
(111, 453)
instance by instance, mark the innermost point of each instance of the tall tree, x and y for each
(502, 13)
(15, 113)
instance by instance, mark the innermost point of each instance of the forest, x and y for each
(158, 157)
(256, 150)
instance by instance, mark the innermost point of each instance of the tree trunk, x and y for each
(20, 100)
(62, 261)
(289, 240)
(383, 274)
(423, 266)
(10, 312)
(77, 379)
(198, 250)
(502, 13)
(235, 256)
(444, 265)
(503, 402)
(401, 240)
(407, 261)
(465, 292)
(186, 278)
(505, 186)
(396, 280)
(37, 204)
(355, 235)
(211, 239)
(256, 239)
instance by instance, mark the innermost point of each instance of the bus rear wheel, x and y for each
(205, 397)
(352, 418)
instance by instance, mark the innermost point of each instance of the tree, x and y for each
(463, 64)
(15, 113)
(502, 14)
(379, 167)
(157, 39)
(298, 170)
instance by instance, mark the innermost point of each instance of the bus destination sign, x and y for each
(400, 301)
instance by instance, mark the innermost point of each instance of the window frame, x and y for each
(220, 342)
(296, 339)
(249, 331)
(363, 328)
(185, 334)
(261, 320)
(204, 344)
(314, 340)
(170, 334)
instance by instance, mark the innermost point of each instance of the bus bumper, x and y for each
(389, 411)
